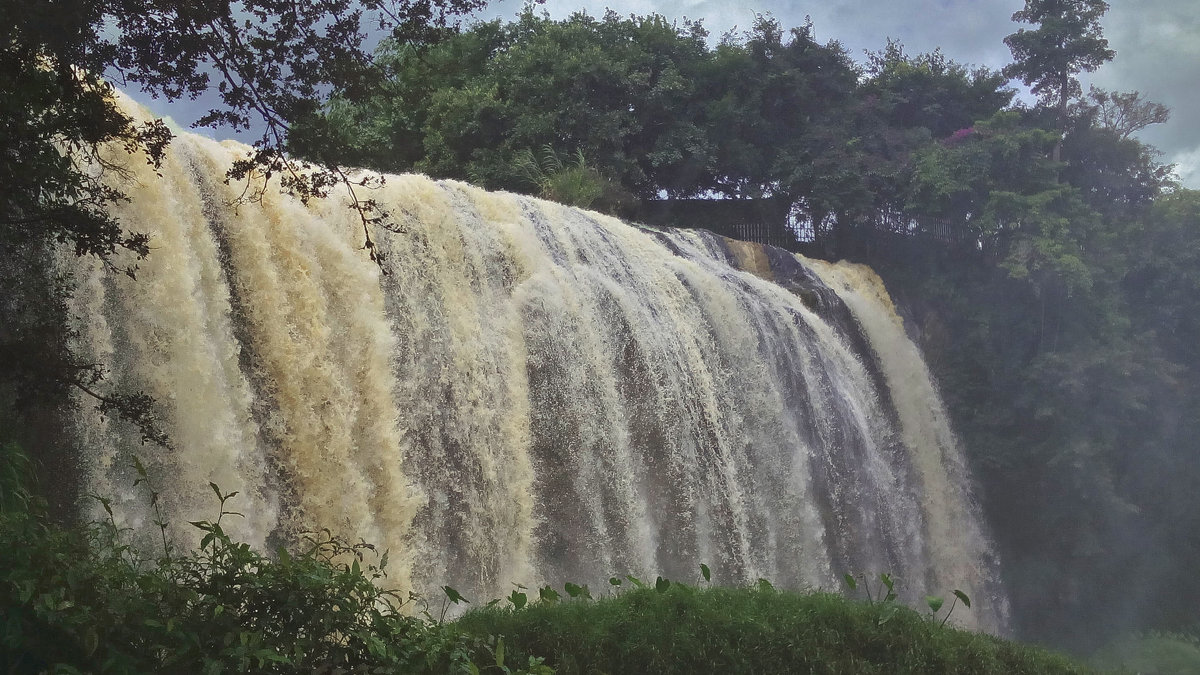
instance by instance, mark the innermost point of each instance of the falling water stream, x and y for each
(532, 393)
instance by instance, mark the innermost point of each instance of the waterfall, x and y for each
(531, 394)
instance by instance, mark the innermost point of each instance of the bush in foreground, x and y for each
(683, 629)
(77, 599)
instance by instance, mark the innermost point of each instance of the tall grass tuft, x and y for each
(572, 182)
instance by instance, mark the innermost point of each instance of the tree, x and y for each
(270, 62)
(1067, 41)
(617, 89)
(1124, 114)
(930, 91)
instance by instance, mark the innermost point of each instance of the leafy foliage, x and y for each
(654, 109)
(683, 629)
(81, 600)
(572, 183)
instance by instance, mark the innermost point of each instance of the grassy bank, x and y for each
(749, 630)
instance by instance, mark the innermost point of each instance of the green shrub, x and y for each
(77, 599)
(682, 629)
(572, 183)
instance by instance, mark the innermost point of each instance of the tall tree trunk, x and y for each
(1063, 88)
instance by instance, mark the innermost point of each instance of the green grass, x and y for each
(748, 630)
(1153, 654)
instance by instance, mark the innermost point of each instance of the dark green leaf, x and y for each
(451, 593)
(518, 599)
(962, 596)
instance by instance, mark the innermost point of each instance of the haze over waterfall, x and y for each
(533, 394)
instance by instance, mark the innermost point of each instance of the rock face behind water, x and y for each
(534, 394)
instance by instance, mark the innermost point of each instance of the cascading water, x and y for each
(534, 394)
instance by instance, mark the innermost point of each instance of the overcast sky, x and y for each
(1157, 43)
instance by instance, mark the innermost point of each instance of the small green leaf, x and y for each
(963, 596)
(577, 591)
(493, 602)
(635, 581)
(849, 579)
(764, 585)
(614, 581)
(518, 599)
(935, 603)
(548, 595)
(888, 612)
(454, 595)
(500, 652)
(216, 490)
(661, 585)
(704, 572)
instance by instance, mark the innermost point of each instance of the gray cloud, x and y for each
(1158, 53)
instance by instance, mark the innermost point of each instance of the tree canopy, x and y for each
(657, 110)
(1068, 40)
